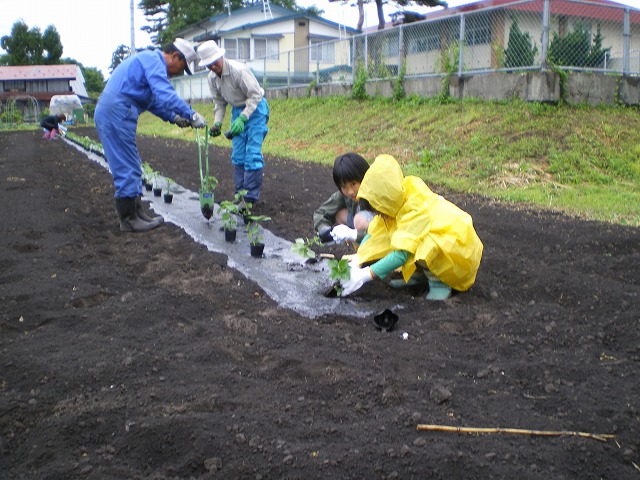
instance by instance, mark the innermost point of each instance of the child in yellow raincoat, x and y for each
(429, 237)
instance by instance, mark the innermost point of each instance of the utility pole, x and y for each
(132, 48)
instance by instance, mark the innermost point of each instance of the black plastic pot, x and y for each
(257, 250)
(230, 235)
(168, 197)
(157, 192)
(385, 320)
(148, 186)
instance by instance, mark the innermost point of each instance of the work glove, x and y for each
(237, 127)
(342, 233)
(181, 121)
(359, 276)
(215, 131)
(198, 121)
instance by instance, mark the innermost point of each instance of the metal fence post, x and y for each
(264, 70)
(288, 68)
(546, 14)
(352, 61)
(626, 43)
(366, 53)
(461, 46)
(400, 49)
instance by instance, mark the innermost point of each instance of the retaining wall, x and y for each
(579, 88)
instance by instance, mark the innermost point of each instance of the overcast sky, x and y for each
(91, 30)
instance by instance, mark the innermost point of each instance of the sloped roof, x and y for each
(281, 15)
(595, 9)
(39, 72)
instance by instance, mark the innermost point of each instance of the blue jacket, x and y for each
(142, 81)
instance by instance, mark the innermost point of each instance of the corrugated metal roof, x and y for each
(39, 72)
(597, 9)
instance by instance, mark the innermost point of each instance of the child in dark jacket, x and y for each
(340, 218)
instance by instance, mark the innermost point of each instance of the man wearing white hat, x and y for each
(140, 83)
(232, 83)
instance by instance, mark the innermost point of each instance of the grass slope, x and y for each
(584, 161)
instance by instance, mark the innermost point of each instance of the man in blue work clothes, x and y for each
(139, 84)
(232, 83)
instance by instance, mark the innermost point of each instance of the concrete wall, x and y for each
(579, 88)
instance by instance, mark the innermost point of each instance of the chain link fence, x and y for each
(578, 35)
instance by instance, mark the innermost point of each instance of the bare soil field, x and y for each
(126, 356)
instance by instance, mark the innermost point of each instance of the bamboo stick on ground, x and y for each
(546, 433)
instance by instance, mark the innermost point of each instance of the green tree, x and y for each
(597, 53)
(576, 50)
(23, 46)
(52, 45)
(521, 51)
(120, 54)
(399, 4)
(93, 81)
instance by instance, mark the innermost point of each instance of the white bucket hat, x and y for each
(187, 50)
(209, 52)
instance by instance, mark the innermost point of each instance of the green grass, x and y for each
(584, 161)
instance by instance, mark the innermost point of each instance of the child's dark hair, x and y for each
(349, 167)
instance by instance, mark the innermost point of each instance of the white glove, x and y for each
(354, 262)
(181, 121)
(198, 121)
(342, 233)
(359, 276)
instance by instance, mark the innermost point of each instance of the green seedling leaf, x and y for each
(253, 228)
(228, 211)
(301, 247)
(340, 269)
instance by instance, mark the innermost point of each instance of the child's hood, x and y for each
(382, 186)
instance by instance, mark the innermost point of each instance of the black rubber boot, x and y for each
(147, 217)
(129, 220)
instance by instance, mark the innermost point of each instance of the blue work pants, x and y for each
(246, 154)
(116, 125)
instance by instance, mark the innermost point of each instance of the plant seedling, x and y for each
(147, 173)
(168, 194)
(207, 186)
(340, 270)
(208, 183)
(253, 228)
(228, 211)
(170, 184)
(303, 246)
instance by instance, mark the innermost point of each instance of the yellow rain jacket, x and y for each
(416, 220)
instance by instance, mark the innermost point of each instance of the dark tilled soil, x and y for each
(144, 356)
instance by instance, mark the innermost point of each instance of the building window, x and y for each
(15, 86)
(322, 52)
(237, 48)
(477, 31)
(424, 43)
(267, 47)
